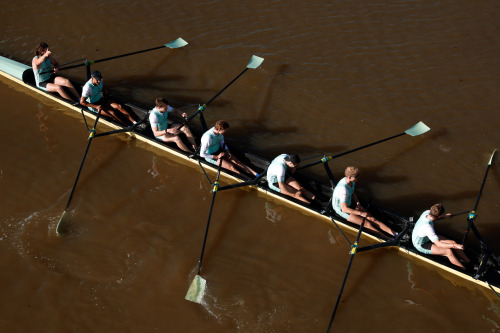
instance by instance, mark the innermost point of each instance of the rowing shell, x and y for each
(23, 75)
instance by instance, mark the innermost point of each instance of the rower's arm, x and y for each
(54, 62)
(83, 101)
(180, 114)
(38, 61)
(156, 132)
(348, 210)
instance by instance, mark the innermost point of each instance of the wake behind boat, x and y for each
(485, 271)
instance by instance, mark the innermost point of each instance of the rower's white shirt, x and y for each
(343, 192)
(92, 93)
(207, 143)
(276, 172)
(424, 228)
(153, 118)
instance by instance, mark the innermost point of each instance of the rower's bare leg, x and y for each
(368, 224)
(189, 136)
(459, 253)
(67, 83)
(380, 225)
(304, 192)
(178, 141)
(120, 108)
(51, 87)
(112, 114)
(243, 166)
(295, 185)
(230, 166)
(447, 253)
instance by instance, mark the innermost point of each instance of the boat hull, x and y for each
(23, 75)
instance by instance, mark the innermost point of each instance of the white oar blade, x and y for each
(60, 224)
(179, 42)
(255, 62)
(491, 158)
(196, 289)
(417, 129)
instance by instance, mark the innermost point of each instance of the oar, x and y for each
(91, 136)
(197, 288)
(71, 62)
(354, 248)
(472, 214)
(415, 130)
(179, 42)
(255, 62)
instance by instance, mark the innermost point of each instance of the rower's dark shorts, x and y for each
(424, 248)
(104, 102)
(210, 160)
(50, 80)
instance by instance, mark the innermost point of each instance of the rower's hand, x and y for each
(221, 155)
(56, 69)
(48, 53)
(448, 216)
(185, 116)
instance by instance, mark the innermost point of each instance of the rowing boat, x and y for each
(489, 276)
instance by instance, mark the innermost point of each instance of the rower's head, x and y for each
(161, 104)
(351, 173)
(41, 49)
(96, 78)
(221, 126)
(292, 160)
(437, 210)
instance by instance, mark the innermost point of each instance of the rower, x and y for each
(158, 118)
(425, 240)
(45, 78)
(214, 148)
(279, 179)
(346, 204)
(92, 97)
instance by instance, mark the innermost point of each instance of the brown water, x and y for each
(336, 75)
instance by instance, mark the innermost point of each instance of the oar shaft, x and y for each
(110, 58)
(91, 136)
(230, 83)
(202, 108)
(351, 151)
(470, 220)
(128, 54)
(353, 253)
(209, 218)
(482, 187)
